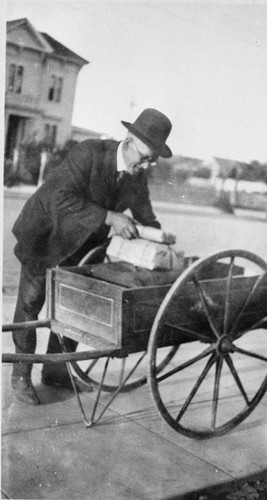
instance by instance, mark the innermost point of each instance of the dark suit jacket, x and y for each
(70, 208)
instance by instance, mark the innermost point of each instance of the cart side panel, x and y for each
(85, 309)
(139, 308)
(247, 305)
(186, 313)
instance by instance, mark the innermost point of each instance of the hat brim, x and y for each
(163, 150)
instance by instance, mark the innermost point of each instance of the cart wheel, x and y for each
(95, 256)
(118, 368)
(217, 309)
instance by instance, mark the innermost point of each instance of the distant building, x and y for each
(41, 76)
(192, 167)
(228, 176)
(81, 134)
(224, 168)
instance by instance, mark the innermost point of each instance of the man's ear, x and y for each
(127, 140)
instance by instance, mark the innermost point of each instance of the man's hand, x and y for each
(122, 224)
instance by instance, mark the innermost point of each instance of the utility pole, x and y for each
(132, 106)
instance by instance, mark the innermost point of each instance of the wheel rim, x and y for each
(208, 376)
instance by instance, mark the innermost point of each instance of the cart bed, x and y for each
(103, 314)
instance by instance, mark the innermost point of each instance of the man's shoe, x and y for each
(24, 390)
(60, 382)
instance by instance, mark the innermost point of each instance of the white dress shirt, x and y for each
(120, 161)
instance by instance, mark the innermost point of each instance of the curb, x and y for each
(238, 488)
(200, 210)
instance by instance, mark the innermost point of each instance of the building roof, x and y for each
(16, 23)
(46, 42)
(224, 162)
(83, 132)
(34, 40)
(86, 131)
(63, 51)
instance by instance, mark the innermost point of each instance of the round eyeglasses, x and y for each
(152, 160)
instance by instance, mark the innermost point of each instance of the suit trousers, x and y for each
(31, 298)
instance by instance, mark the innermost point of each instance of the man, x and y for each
(71, 213)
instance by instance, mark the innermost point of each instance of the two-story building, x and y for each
(41, 76)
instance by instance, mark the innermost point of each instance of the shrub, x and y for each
(29, 162)
(10, 175)
(55, 157)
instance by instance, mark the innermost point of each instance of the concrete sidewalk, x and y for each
(131, 454)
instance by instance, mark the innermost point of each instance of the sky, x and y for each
(202, 64)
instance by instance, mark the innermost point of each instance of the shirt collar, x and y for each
(120, 161)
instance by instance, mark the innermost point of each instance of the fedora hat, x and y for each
(153, 128)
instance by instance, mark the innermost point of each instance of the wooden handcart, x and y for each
(202, 339)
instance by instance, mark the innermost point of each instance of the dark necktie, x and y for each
(120, 177)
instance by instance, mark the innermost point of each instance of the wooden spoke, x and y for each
(185, 365)
(100, 388)
(90, 367)
(205, 305)
(239, 384)
(122, 370)
(196, 387)
(251, 354)
(187, 331)
(246, 302)
(255, 326)
(227, 296)
(114, 394)
(258, 324)
(219, 363)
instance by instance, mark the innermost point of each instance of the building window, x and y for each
(11, 77)
(50, 134)
(55, 88)
(19, 76)
(15, 78)
(58, 89)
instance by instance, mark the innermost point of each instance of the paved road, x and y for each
(199, 230)
(202, 231)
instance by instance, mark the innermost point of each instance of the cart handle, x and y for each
(11, 327)
(56, 358)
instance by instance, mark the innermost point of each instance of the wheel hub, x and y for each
(224, 345)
